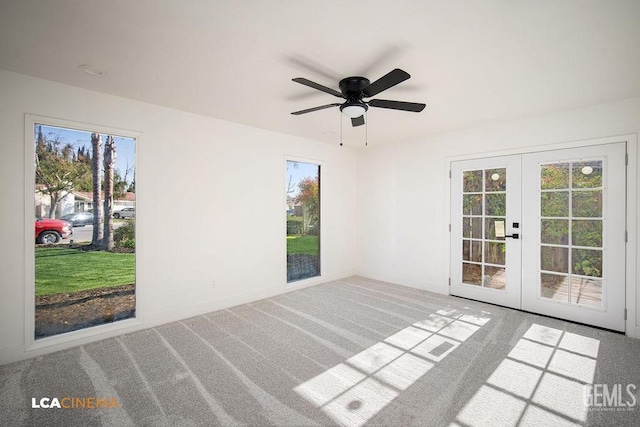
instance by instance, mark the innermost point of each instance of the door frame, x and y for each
(632, 296)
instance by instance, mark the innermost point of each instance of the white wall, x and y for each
(402, 188)
(210, 198)
(229, 179)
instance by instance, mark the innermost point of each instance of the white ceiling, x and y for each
(471, 62)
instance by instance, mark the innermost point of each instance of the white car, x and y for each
(125, 213)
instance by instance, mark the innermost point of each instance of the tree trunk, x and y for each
(109, 162)
(96, 163)
(53, 197)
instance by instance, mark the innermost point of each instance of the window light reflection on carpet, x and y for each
(353, 392)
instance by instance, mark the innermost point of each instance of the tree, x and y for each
(309, 198)
(132, 186)
(96, 145)
(82, 158)
(56, 169)
(109, 162)
(120, 185)
(290, 183)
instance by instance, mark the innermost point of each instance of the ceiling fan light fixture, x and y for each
(353, 110)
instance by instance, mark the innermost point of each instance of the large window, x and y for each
(84, 216)
(303, 220)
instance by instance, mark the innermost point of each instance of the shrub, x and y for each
(294, 225)
(125, 236)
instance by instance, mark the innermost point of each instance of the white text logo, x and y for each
(604, 397)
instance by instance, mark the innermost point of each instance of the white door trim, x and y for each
(632, 295)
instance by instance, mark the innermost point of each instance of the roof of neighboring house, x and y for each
(128, 197)
(88, 196)
(82, 195)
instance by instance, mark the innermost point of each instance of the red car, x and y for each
(52, 230)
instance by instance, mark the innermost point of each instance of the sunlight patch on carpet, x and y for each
(352, 392)
(540, 382)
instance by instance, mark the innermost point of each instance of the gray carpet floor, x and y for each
(350, 352)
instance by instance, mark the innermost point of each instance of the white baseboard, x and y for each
(411, 282)
(150, 320)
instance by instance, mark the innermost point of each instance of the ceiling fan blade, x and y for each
(309, 110)
(385, 82)
(317, 86)
(357, 121)
(308, 65)
(386, 56)
(397, 105)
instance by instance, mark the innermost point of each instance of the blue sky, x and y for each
(298, 171)
(125, 147)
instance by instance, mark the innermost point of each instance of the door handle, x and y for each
(513, 236)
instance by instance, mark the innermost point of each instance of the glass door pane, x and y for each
(571, 269)
(484, 203)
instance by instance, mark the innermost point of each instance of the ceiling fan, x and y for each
(354, 89)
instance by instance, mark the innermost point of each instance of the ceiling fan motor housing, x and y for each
(351, 88)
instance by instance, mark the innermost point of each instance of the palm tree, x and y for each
(96, 144)
(109, 162)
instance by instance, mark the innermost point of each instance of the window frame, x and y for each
(320, 277)
(84, 335)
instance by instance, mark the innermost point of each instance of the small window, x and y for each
(303, 220)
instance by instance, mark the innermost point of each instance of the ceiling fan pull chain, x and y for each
(366, 130)
(341, 130)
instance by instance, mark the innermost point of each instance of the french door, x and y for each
(543, 232)
(485, 209)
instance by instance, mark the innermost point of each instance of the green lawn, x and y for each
(307, 245)
(63, 270)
